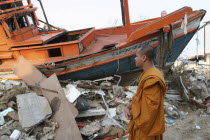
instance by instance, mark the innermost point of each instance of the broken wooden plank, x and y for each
(62, 110)
(28, 72)
(53, 91)
(92, 112)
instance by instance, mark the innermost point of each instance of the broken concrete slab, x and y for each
(91, 128)
(32, 109)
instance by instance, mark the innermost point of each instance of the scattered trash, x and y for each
(72, 93)
(82, 104)
(111, 112)
(197, 127)
(15, 135)
(8, 84)
(130, 91)
(4, 113)
(170, 121)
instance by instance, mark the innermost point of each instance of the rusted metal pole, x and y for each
(44, 14)
(125, 16)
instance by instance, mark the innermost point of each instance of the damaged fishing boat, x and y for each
(90, 53)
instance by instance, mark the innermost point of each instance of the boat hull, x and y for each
(126, 64)
(118, 59)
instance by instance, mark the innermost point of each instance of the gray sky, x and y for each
(78, 14)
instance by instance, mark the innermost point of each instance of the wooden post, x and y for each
(125, 16)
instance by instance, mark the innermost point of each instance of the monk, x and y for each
(146, 111)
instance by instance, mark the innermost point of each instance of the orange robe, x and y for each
(147, 107)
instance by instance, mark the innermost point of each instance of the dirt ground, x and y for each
(185, 129)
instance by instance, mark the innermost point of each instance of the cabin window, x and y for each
(54, 52)
(11, 24)
(22, 21)
(30, 20)
(108, 47)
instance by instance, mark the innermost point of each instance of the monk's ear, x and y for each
(144, 58)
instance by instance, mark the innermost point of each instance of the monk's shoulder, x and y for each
(151, 81)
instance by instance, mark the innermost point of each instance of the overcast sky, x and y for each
(78, 14)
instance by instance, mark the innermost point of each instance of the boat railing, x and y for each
(10, 6)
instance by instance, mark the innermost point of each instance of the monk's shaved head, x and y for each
(148, 51)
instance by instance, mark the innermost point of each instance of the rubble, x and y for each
(89, 109)
(91, 128)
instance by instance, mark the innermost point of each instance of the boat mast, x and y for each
(44, 14)
(125, 16)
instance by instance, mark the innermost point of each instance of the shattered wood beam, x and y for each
(43, 89)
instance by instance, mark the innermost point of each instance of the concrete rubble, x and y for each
(36, 107)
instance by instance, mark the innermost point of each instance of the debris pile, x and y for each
(196, 84)
(23, 113)
(46, 108)
(101, 106)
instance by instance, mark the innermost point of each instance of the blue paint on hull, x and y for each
(124, 65)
